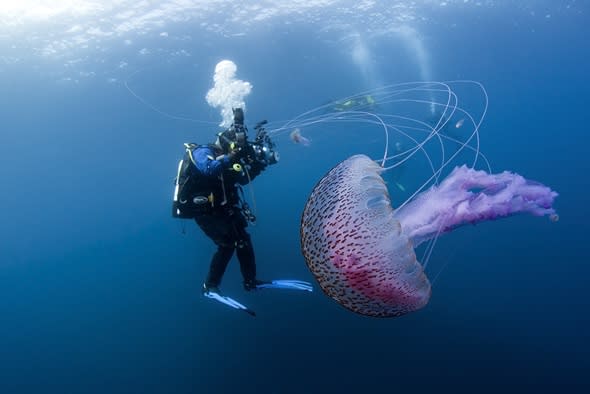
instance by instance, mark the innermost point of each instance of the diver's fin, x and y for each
(286, 284)
(229, 302)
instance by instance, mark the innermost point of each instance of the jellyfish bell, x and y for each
(355, 247)
(297, 138)
(295, 135)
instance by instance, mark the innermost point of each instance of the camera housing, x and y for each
(265, 154)
(262, 149)
(263, 146)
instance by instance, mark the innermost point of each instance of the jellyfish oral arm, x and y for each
(468, 196)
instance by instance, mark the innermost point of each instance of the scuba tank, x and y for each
(191, 196)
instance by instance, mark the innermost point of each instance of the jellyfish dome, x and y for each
(356, 248)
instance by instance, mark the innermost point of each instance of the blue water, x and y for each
(100, 288)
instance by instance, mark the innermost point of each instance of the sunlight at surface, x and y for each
(25, 11)
(81, 35)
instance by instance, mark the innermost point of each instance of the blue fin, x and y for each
(286, 284)
(229, 302)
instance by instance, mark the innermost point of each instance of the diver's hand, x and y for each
(227, 159)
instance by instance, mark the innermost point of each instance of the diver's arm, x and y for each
(207, 164)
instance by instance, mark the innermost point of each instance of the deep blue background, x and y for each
(99, 288)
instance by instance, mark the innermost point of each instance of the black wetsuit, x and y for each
(225, 222)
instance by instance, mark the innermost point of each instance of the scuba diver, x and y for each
(208, 189)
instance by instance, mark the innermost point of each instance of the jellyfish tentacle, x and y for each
(470, 196)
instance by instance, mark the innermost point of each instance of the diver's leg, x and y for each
(245, 252)
(219, 263)
(220, 230)
(247, 259)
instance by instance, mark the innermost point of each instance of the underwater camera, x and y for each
(263, 147)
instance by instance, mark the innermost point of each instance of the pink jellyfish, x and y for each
(297, 138)
(359, 248)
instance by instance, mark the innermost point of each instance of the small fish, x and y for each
(460, 123)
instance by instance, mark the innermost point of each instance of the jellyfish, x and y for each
(362, 250)
(297, 138)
